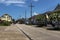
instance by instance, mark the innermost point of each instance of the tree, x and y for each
(20, 21)
(40, 17)
(13, 20)
(55, 19)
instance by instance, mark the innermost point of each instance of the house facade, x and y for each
(47, 14)
(6, 17)
(55, 11)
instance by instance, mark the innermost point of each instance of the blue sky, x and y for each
(16, 8)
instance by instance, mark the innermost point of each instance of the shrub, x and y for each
(5, 23)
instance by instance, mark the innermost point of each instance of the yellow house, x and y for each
(6, 17)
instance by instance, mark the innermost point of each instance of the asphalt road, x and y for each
(11, 33)
(36, 33)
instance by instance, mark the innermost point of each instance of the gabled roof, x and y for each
(55, 10)
(6, 14)
(57, 7)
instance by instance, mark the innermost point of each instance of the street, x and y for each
(11, 33)
(27, 32)
(36, 33)
(29, 19)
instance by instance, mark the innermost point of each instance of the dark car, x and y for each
(55, 25)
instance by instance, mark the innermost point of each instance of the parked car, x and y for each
(27, 22)
(55, 25)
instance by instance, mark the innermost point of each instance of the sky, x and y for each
(17, 8)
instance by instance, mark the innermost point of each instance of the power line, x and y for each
(31, 7)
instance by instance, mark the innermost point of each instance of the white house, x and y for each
(6, 17)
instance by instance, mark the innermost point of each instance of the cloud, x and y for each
(2, 0)
(15, 2)
(9, 2)
(20, 5)
(35, 0)
(35, 13)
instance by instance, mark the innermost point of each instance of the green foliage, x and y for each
(13, 21)
(54, 16)
(21, 21)
(5, 23)
(40, 18)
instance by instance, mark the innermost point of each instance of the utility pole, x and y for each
(25, 15)
(31, 6)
